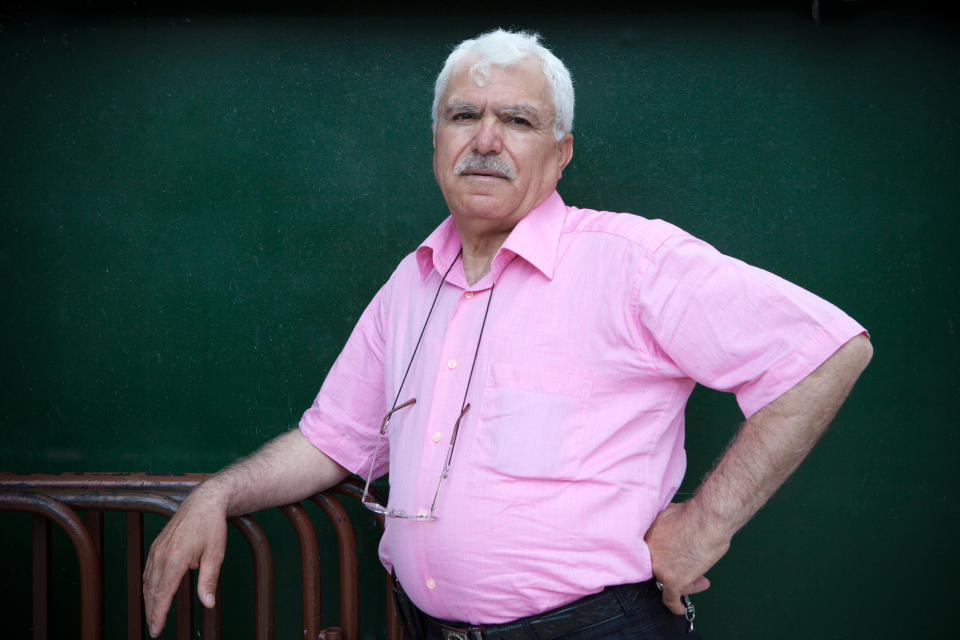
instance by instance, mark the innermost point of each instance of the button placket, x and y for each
(447, 392)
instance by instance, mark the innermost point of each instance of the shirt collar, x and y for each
(536, 239)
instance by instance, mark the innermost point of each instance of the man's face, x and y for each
(495, 156)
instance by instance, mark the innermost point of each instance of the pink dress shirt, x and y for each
(599, 326)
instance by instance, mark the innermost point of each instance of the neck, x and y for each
(481, 239)
(478, 253)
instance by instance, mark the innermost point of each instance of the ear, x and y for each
(433, 134)
(565, 152)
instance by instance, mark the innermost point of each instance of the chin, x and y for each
(483, 205)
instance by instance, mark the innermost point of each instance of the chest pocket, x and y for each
(534, 421)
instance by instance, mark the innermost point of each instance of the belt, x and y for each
(610, 603)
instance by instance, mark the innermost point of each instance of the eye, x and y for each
(519, 122)
(463, 116)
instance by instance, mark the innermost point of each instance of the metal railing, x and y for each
(58, 498)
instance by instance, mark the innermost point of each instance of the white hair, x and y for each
(503, 49)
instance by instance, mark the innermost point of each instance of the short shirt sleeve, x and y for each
(734, 327)
(344, 419)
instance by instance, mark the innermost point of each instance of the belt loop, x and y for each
(623, 602)
(529, 629)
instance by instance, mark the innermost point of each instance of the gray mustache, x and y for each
(476, 161)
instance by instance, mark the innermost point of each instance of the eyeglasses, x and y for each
(366, 498)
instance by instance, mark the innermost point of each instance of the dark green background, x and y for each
(195, 206)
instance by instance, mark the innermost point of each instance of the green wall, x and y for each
(195, 207)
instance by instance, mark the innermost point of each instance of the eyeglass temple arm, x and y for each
(383, 430)
(446, 464)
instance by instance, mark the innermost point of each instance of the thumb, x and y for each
(698, 585)
(208, 578)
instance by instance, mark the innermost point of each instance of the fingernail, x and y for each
(153, 631)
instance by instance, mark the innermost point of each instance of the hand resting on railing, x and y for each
(287, 469)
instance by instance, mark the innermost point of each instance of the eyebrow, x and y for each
(460, 107)
(522, 110)
(514, 110)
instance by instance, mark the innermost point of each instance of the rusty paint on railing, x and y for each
(262, 576)
(133, 530)
(352, 487)
(91, 576)
(41, 574)
(56, 496)
(347, 545)
(309, 568)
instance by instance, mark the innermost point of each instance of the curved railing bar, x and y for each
(133, 543)
(210, 619)
(99, 481)
(347, 546)
(91, 578)
(142, 503)
(115, 489)
(262, 575)
(41, 553)
(353, 487)
(184, 608)
(310, 569)
(157, 505)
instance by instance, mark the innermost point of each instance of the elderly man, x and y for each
(533, 361)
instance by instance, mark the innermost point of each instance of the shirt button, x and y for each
(437, 436)
(468, 295)
(431, 583)
(451, 364)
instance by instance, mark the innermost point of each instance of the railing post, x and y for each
(347, 546)
(94, 522)
(185, 608)
(263, 576)
(55, 497)
(91, 577)
(309, 569)
(210, 619)
(41, 576)
(134, 539)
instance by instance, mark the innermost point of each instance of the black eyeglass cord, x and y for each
(473, 364)
(424, 329)
(464, 405)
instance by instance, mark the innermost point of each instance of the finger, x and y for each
(700, 584)
(208, 577)
(159, 585)
(671, 598)
(157, 604)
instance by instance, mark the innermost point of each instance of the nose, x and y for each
(487, 139)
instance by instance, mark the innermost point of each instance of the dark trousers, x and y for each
(655, 622)
(633, 612)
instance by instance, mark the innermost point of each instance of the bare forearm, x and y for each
(773, 442)
(286, 469)
(688, 538)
